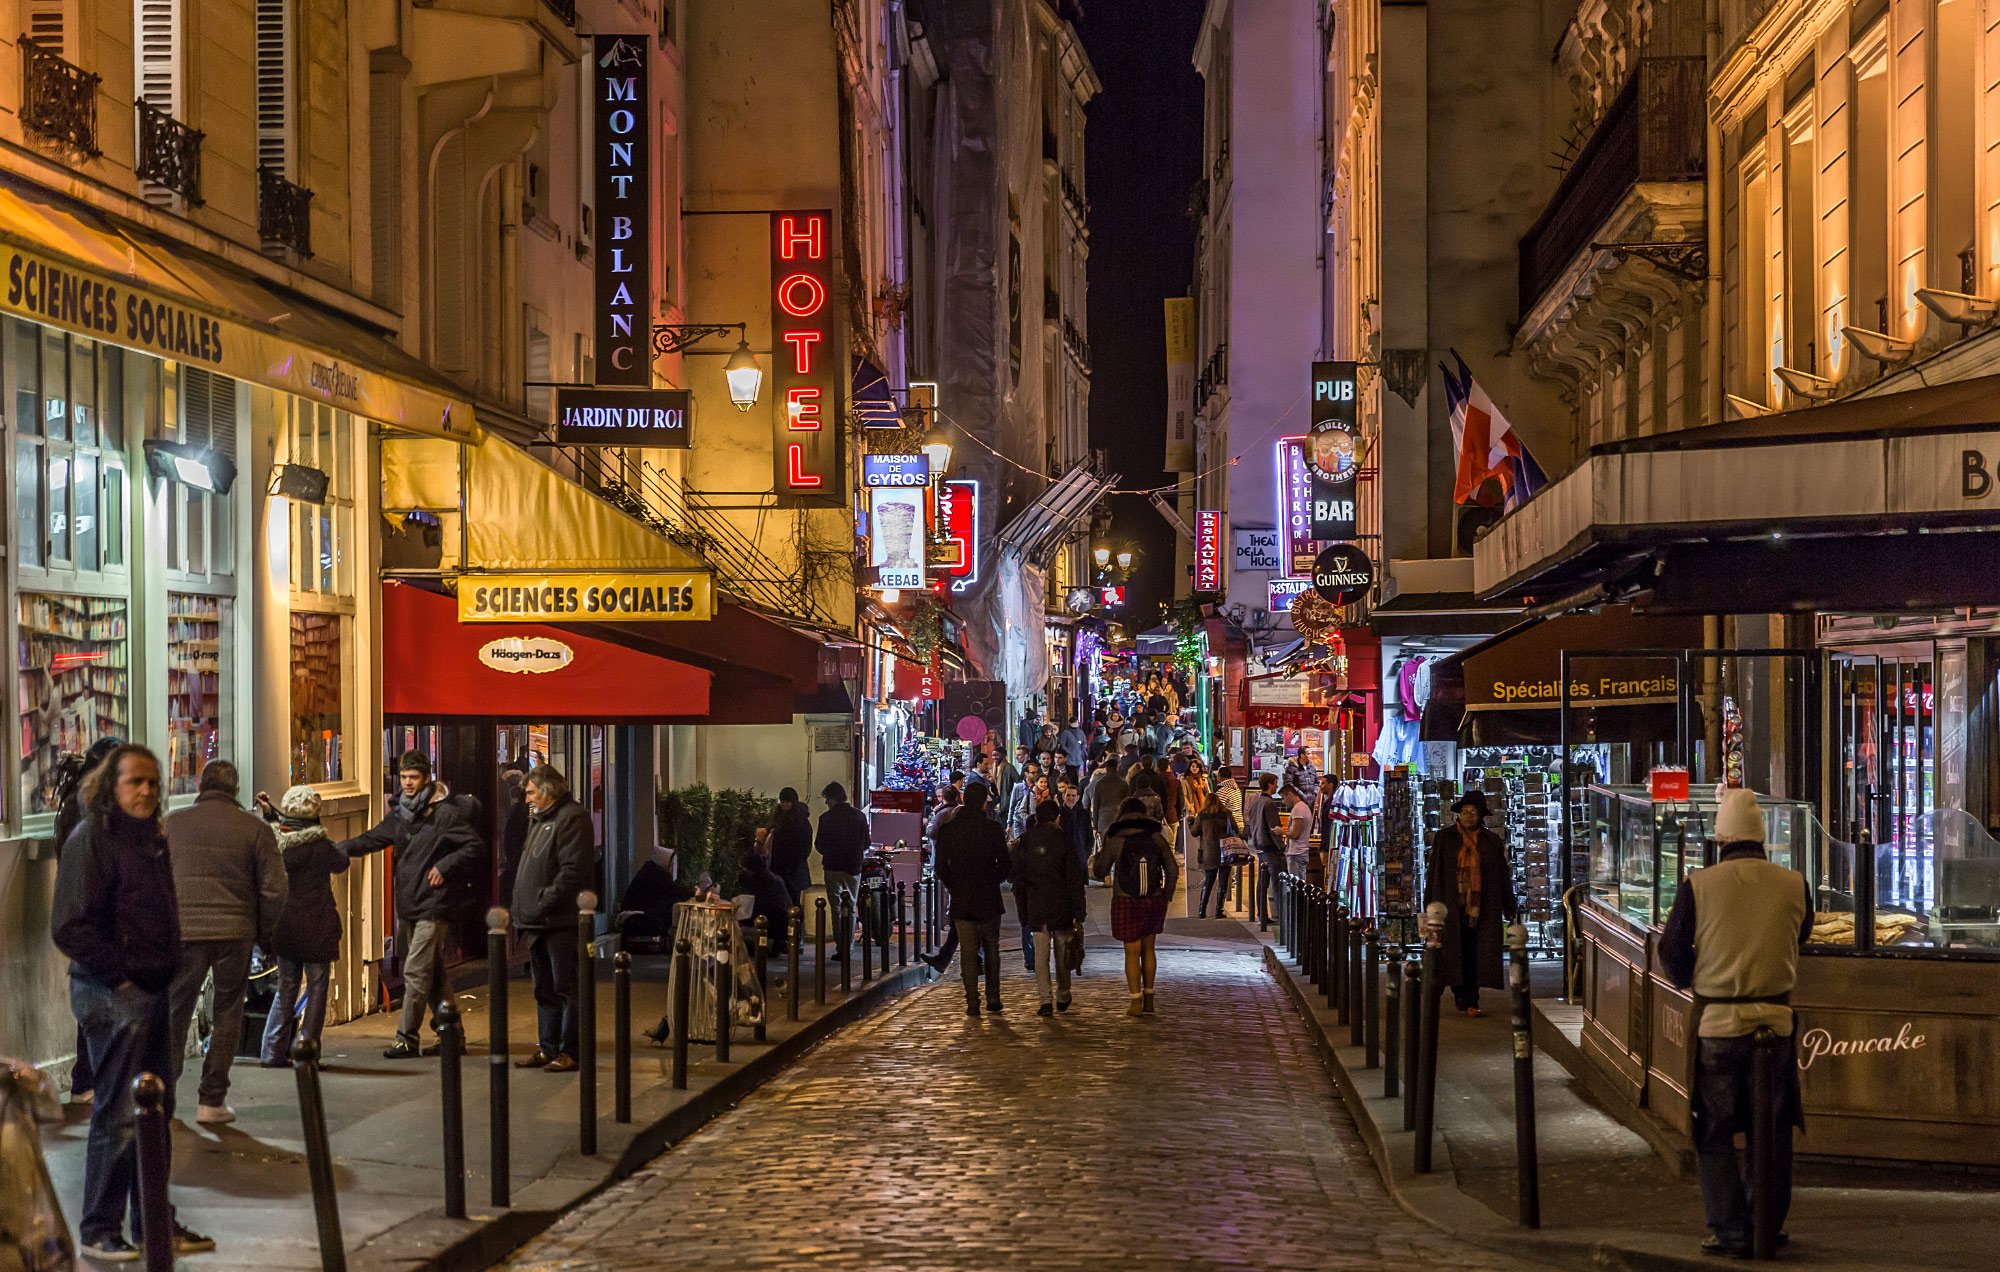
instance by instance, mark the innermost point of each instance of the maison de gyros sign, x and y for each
(654, 596)
(1342, 573)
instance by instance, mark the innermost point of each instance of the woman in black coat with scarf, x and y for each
(1468, 872)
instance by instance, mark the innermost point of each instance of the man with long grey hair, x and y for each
(556, 865)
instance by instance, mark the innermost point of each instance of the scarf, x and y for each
(413, 805)
(1468, 874)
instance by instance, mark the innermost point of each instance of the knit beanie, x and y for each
(1737, 818)
(300, 803)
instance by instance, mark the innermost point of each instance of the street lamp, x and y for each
(937, 452)
(744, 375)
(1124, 560)
(1103, 558)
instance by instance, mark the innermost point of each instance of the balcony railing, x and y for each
(284, 213)
(169, 153)
(564, 9)
(1213, 377)
(58, 98)
(1654, 131)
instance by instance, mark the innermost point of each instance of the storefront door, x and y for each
(1887, 710)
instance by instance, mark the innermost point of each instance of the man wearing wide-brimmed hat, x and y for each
(1468, 872)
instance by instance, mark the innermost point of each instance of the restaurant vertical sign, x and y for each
(805, 399)
(624, 213)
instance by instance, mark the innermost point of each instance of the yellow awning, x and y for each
(67, 265)
(519, 515)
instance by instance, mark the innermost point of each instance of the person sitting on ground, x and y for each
(770, 899)
(1140, 866)
(1048, 891)
(308, 937)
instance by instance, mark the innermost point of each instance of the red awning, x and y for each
(434, 665)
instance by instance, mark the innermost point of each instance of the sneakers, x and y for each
(1716, 1247)
(214, 1114)
(111, 1249)
(972, 1008)
(403, 1050)
(995, 1006)
(188, 1241)
(1046, 1010)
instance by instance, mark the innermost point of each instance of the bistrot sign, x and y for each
(1342, 574)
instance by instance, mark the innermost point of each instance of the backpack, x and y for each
(1142, 867)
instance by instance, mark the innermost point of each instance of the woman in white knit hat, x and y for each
(308, 939)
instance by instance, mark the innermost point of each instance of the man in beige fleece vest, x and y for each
(1733, 938)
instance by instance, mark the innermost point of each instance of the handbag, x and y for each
(1234, 844)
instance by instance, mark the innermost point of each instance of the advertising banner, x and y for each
(1180, 384)
(958, 517)
(623, 213)
(896, 536)
(907, 471)
(673, 595)
(1257, 549)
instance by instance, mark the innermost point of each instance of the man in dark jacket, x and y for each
(770, 900)
(842, 843)
(231, 883)
(437, 852)
(69, 815)
(556, 865)
(791, 844)
(1048, 891)
(116, 917)
(972, 862)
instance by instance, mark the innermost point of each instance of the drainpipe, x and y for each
(1711, 313)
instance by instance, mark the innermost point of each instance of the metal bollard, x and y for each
(1323, 935)
(683, 987)
(1357, 1003)
(844, 933)
(902, 929)
(723, 983)
(1764, 1132)
(1256, 898)
(1527, 1170)
(868, 906)
(819, 951)
(621, 1045)
(319, 1157)
(499, 1139)
(1336, 961)
(1413, 995)
(451, 1052)
(763, 930)
(156, 1217)
(586, 1024)
(796, 927)
(1434, 915)
(1371, 998)
(1392, 1013)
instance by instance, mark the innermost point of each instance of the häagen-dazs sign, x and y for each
(526, 654)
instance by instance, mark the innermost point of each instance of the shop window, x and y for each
(319, 724)
(73, 684)
(201, 534)
(69, 462)
(198, 675)
(322, 535)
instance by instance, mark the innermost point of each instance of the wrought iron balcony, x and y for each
(1654, 131)
(284, 213)
(169, 153)
(58, 98)
(564, 9)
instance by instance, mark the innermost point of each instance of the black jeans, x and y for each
(1725, 1083)
(981, 938)
(1271, 863)
(128, 1033)
(1465, 991)
(1210, 879)
(552, 969)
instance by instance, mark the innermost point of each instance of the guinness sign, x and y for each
(1343, 574)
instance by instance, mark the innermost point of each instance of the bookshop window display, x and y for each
(322, 588)
(198, 673)
(74, 682)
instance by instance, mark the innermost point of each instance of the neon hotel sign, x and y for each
(806, 450)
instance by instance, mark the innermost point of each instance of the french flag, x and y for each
(1487, 445)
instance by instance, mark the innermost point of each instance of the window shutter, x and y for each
(385, 183)
(48, 26)
(157, 37)
(274, 85)
(208, 410)
(540, 360)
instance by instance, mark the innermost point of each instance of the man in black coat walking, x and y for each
(437, 852)
(972, 862)
(557, 863)
(842, 843)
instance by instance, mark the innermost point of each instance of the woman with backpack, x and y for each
(1139, 864)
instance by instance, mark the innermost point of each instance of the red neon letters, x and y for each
(807, 410)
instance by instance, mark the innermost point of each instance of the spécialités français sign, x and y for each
(663, 595)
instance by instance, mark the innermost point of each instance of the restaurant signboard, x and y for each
(623, 214)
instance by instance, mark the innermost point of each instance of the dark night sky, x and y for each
(1142, 155)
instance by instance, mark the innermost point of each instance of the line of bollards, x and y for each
(819, 951)
(1413, 1010)
(621, 1032)
(1371, 997)
(796, 927)
(1527, 1171)
(319, 1157)
(1392, 1037)
(451, 1055)
(724, 982)
(1433, 931)
(586, 1023)
(498, 1097)
(1357, 1005)
(156, 1217)
(762, 928)
(677, 1010)
(844, 936)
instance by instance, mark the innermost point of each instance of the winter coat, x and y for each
(1497, 906)
(437, 835)
(1111, 793)
(1206, 838)
(309, 926)
(1122, 832)
(1048, 880)
(1077, 827)
(771, 901)
(227, 871)
(843, 839)
(114, 913)
(972, 862)
(557, 863)
(791, 843)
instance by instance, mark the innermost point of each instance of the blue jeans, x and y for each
(128, 1032)
(287, 1019)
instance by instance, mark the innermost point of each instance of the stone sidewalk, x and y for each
(245, 1184)
(1608, 1199)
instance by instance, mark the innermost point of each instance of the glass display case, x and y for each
(1640, 850)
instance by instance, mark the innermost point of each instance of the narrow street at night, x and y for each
(1208, 1136)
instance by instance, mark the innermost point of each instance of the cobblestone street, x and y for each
(1206, 1137)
